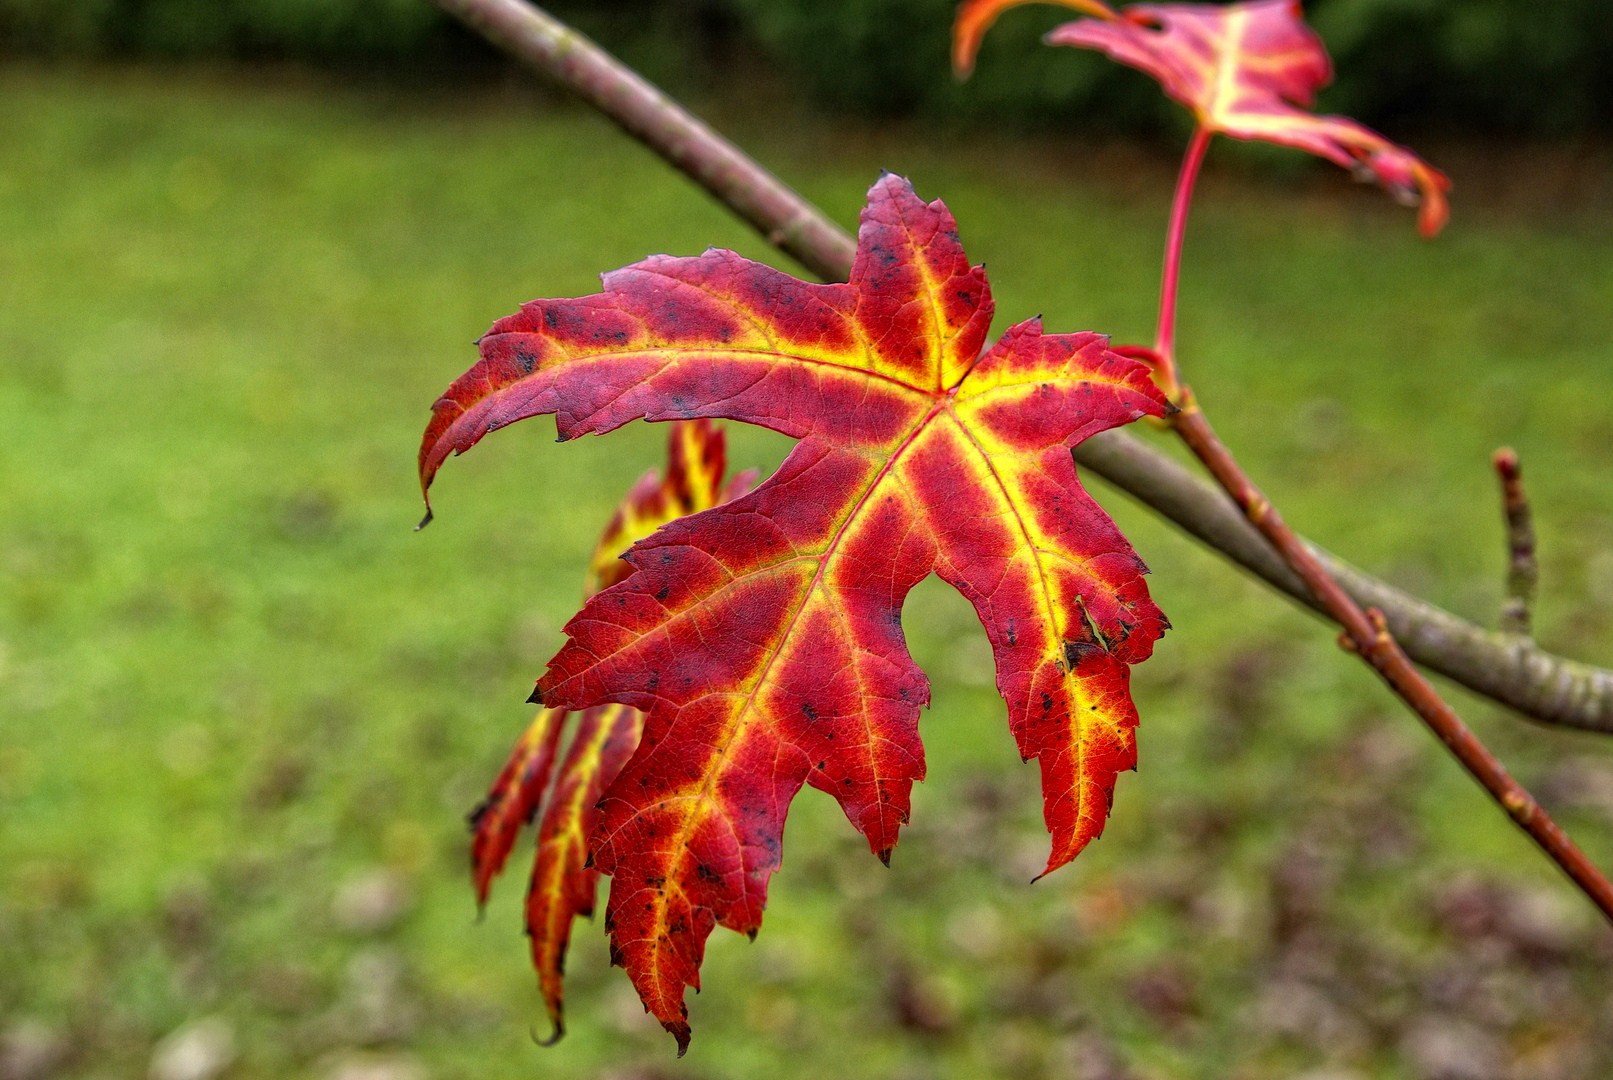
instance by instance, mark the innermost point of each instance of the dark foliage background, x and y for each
(1475, 66)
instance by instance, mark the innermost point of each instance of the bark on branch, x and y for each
(1509, 669)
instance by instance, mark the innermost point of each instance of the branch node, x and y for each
(1517, 804)
(1380, 628)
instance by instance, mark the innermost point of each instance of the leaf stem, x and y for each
(1181, 203)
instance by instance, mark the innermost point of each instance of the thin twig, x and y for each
(1516, 673)
(1369, 635)
(1523, 572)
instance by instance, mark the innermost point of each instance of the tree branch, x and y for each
(1508, 669)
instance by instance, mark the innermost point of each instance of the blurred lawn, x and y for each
(243, 708)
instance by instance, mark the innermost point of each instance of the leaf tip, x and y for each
(554, 1037)
(536, 697)
(680, 1032)
(884, 855)
(425, 520)
(1054, 861)
(1434, 212)
(966, 36)
(750, 934)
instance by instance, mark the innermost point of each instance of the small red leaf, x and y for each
(763, 638)
(1248, 70)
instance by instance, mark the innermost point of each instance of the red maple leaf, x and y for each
(564, 881)
(763, 638)
(1248, 70)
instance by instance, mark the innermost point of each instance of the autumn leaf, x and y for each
(762, 638)
(1248, 70)
(564, 883)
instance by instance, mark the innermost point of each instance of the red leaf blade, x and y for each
(678, 338)
(762, 638)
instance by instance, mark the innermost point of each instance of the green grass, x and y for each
(231, 677)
